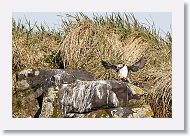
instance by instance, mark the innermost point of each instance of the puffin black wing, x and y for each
(138, 65)
(108, 65)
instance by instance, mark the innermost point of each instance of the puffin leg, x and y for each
(118, 78)
(128, 80)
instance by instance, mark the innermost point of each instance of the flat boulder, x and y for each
(85, 96)
(36, 78)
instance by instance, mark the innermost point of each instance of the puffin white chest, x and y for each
(123, 72)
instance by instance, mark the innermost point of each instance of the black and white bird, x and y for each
(123, 70)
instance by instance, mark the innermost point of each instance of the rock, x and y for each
(60, 93)
(144, 111)
(22, 85)
(32, 85)
(50, 106)
(102, 113)
(121, 112)
(85, 96)
(136, 92)
(95, 99)
(36, 78)
(24, 104)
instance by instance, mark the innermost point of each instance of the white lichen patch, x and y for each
(47, 108)
(64, 85)
(36, 73)
(115, 100)
(84, 95)
(99, 94)
(113, 112)
(142, 112)
(25, 72)
(102, 82)
(57, 79)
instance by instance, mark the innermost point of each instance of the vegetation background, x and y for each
(82, 42)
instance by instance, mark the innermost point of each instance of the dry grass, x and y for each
(32, 48)
(116, 38)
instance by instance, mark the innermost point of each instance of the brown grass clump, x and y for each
(85, 46)
(116, 38)
(32, 48)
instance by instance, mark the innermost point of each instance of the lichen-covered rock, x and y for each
(49, 101)
(32, 85)
(94, 99)
(36, 78)
(85, 96)
(60, 93)
(143, 111)
(120, 112)
(24, 104)
(102, 113)
(136, 92)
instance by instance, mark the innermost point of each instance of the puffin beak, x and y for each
(117, 67)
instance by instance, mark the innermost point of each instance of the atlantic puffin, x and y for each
(123, 69)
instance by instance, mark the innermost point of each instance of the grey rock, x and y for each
(120, 112)
(143, 111)
(59, 93)
(36, 78)
(48, 106)
(82, 97)
(85, 96)
(31, 93)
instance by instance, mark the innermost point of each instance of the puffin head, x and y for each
(119, 66)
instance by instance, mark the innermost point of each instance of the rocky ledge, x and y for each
(58, 93)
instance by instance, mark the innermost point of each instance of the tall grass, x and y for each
(82, 43)
(33, 46)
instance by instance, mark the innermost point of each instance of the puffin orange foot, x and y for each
(118, 78)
